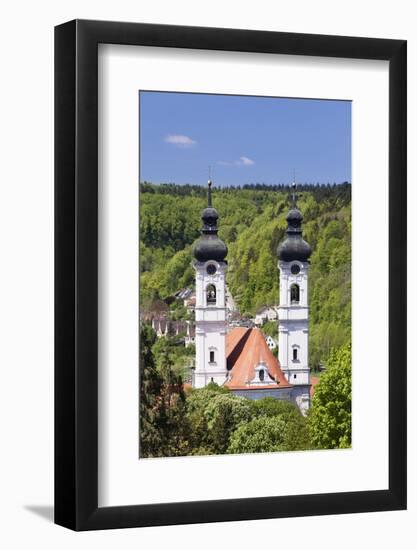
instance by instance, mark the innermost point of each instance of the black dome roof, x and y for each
(294, 247)
(209, 213)
(209, 246)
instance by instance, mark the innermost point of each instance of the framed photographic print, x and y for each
(230, 338)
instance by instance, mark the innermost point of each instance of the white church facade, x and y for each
(240, 357)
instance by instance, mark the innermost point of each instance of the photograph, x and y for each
(207, 318)
(245, 274)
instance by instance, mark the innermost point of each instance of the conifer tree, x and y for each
(152, 414)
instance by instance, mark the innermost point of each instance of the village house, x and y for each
(264, 314)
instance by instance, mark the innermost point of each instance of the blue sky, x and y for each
(243, 139)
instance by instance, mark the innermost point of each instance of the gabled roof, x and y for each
(245, 349)
(183, 293)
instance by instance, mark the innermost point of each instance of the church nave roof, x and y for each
(246, 348)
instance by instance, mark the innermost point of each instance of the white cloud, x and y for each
(245, 161)
(242, 161)
(180, 141)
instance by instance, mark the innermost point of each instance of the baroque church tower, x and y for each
(210, 310)
(293, 311)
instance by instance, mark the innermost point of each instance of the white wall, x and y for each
(26, 299)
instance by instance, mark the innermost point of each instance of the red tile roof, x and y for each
(314, 380)
(245, 349)
(233, 338)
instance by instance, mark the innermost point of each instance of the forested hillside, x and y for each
(252, 223)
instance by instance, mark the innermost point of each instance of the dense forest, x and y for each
(252, 223)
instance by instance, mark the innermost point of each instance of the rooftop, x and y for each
(245, 349)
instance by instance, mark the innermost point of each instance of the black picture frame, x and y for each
(76, 272)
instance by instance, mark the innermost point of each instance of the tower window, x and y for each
(211, 295)
(212, 357)
(261, 375)
(295, 354)
(295, 294)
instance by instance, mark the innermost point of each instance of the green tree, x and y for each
(214, 413)
(297, 435)
(180, 358)
(270, 328)
(261, 435)
(152, 414)
(198, 401)
(258, 436)
(269, 406)
(329, 420)
(163, 423)
(176, 425)
(283, 432)
(224, 413)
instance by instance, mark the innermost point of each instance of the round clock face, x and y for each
(295, 269)
(211, 269)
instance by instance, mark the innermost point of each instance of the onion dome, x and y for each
(294, 247)
(209, 246)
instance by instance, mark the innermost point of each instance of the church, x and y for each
(239, 357)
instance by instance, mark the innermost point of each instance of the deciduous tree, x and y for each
(330, 419)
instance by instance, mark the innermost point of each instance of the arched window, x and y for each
(212, 357)
(211, 295)
(295, 354)
(295, 294)
(261, 375)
